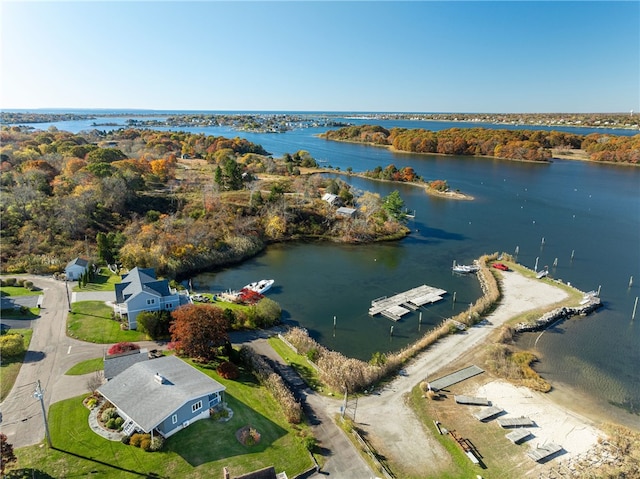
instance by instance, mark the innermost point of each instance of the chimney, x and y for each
(157, 377)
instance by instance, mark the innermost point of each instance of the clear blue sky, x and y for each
(453, 56)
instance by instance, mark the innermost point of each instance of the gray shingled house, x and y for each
(162, 395)
(114, 364)
(140, 290)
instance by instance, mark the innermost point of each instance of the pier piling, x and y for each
(635, 306)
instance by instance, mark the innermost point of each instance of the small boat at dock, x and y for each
(465, 268)
(260, 287)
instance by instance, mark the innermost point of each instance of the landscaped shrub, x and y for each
(110, 424)
(157, 443)
(221, 413)
(9, 282)
(28, 285)
(118, 422)
(108, 414)
(145, 443)
(122, 347)
(91, 402)
(11, 345)
(228, 370)
(136, 439)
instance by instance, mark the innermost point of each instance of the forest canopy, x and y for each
(531, 145)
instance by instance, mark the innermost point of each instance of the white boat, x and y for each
(261, 286)
(465, 268)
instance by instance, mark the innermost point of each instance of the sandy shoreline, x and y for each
(401, 441)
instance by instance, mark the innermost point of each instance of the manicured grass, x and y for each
(103, 281)
(10, 367)
(200, 451)
(299, 363)
(18, 291)
(85, 367)
(91, 321)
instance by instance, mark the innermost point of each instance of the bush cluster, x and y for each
(274, 383)
(143, 441)
(11, 345)
(228, 370)
(19, 282)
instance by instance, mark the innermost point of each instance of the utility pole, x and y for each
(39, 394)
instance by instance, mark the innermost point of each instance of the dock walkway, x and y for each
(396, 306)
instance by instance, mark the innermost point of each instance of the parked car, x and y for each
(501, 266)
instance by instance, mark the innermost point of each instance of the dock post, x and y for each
(535, 268)
(599, 287)
(420, 318)
(635, 306)
(555, 263)
(391, 331)
(630, 281)
(573, 252)
(334, 322)
(454, 297)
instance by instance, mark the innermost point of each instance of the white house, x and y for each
(140, 290)
(162, 395)
(76, 268)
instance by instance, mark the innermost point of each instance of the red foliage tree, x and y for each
(123, 347)
(198, 329)
(228, 370)
(6, 453)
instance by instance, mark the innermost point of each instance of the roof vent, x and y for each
(157, 377)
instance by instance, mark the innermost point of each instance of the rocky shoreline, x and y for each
(591, 303)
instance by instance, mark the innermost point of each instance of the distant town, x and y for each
(281, 122)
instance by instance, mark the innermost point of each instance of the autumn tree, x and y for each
(198, 329)
(6, 453)
(122, 347)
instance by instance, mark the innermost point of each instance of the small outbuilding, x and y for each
(76, 268)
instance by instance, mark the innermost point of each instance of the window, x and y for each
(196, 406)
(167, 305)
(174, 419)
(151, 301)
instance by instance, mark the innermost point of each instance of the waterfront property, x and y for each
(162, 395)
(140, 290)
(76, 268)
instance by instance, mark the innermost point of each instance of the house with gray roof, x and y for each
(162, 395)
(114, 364)
(140, 290)
(76, 268)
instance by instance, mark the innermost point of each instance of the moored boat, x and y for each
(465, 268)
(261, 286)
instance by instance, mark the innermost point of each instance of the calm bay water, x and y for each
(590, 209)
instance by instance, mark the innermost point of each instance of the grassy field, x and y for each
(10, 367)
(86, 367)
(91, 321)
(200, 451)
(103, 281)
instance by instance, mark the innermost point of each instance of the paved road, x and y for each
(51, 353)
(342, 460)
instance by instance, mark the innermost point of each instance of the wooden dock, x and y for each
(488, 413)
(471, 400)
(506, 422)
(518, 435)
(541, 453)
(396, 306)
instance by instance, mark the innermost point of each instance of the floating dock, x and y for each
(396, 306)
(541, 453)
(471, 400)
(488, 413)
(518, 435)
(506, 422)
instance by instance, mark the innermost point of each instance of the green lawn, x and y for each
(18, 291)
(91, 321)
(85, 367)
(103, 281)
(299, 363)
(10, 367)
(200, 451)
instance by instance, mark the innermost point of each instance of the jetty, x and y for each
(396, 306)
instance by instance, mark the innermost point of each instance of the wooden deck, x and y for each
(396, 306)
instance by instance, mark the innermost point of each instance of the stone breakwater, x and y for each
(591, 303)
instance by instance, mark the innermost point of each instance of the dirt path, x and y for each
(392, 426)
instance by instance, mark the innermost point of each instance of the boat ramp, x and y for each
(396, 306)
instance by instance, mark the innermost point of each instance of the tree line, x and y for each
(175, 201)
(530, 145)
